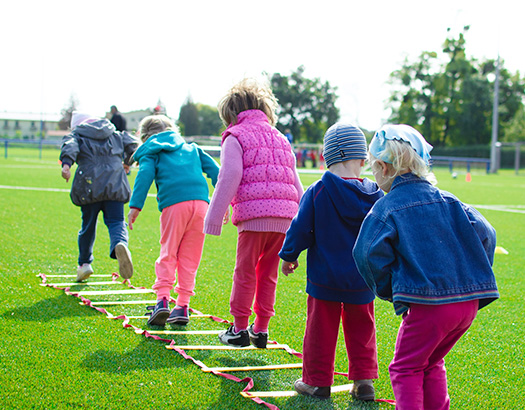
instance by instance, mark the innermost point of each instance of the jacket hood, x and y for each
(97, 130)
(163, 141)
(352, 199)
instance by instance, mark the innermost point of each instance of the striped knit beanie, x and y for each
(343, 142)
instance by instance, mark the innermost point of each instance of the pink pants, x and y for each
(320, 341)
(181, 243)
(255, 276)
(426, 335)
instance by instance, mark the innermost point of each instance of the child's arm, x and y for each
(230, 175)
(485, 231)
(298, 184)
(132, 216)
(300, 235)
(130, 146)
(374, 256)
(143, 181)
(209, 166)
(289, 267)
(66, 172)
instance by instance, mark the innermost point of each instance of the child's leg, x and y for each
(267, 274)
(172, 227)
(426, 335)
(190, 250)
(320, 341)
(249, 247)
(113, 212)
(360, 339)
(86, 235)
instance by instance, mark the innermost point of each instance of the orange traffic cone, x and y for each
(468, 178)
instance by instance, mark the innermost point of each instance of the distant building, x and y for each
(28, 125)
(31, 126)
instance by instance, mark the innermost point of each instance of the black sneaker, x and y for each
(312, 391)
(179, 316)
(363, 390)
(259, 340)
(230, 338)
(160, 313)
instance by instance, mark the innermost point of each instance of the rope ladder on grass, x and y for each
(182, 349)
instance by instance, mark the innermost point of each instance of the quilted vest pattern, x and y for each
(267, 187)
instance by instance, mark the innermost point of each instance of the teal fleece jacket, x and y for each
(177, 169)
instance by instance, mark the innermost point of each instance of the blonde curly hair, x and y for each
(248, 94)
(403, 158)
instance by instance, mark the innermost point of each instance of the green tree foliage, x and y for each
(209, 120)
(199, 119)
(67, 112)
(189, 118)
(306, 106)
(450, 100)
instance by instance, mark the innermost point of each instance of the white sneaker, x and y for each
(125, 265)
(84, 272)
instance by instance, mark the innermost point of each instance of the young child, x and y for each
(258, 177)
(100, 185)
(330, 215)
(183, 196)
(429, 254)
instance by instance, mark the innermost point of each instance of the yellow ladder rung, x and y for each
(253, 368)
(290, 393)
(122, 302)
(82, 283)
(223, 347)
(114, 292)
(180, 332)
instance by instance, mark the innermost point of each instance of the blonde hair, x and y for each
(153, 124)
(248, 94)
(403, 158)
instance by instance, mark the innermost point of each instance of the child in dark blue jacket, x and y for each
(327, 224)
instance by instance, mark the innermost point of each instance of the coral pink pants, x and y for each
(320, 341)
(181, 243)
(426, 335)
(255, 277)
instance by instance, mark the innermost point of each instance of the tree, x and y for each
(189, 119)
(67, 112)
(210, 122)
(451, 103)
(306, 106)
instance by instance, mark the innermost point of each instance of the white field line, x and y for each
(28, 188)
(503, 208)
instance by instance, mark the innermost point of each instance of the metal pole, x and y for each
(493, 161)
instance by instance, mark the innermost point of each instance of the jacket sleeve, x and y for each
(209, 166)
(69, 150)
(143, 181)
(485, 231)
(300, 235)
(229, 179)
(130, 146)
(374, 256)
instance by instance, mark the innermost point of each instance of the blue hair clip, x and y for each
(400, 132)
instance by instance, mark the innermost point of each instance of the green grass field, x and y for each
(58, 354)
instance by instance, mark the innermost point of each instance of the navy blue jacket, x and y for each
(327, 224)
(422, 245)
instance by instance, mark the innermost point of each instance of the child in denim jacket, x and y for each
(428, 253)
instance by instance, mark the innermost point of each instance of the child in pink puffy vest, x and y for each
(259, 179)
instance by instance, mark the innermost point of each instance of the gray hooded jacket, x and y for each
(98, 149)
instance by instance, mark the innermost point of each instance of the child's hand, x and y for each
(132, 216)
(289, 267)
(226, 217)
(66, 172)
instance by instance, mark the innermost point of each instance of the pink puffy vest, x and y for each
(267, 187)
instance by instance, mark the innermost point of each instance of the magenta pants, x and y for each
(181, 243)
(320, 341)
(426, 335)
(255, 277)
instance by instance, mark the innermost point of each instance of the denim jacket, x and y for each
(422, 245)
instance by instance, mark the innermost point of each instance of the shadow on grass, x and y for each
(46, 310)
(147, 355)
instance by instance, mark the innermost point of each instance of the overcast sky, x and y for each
(133, 53)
